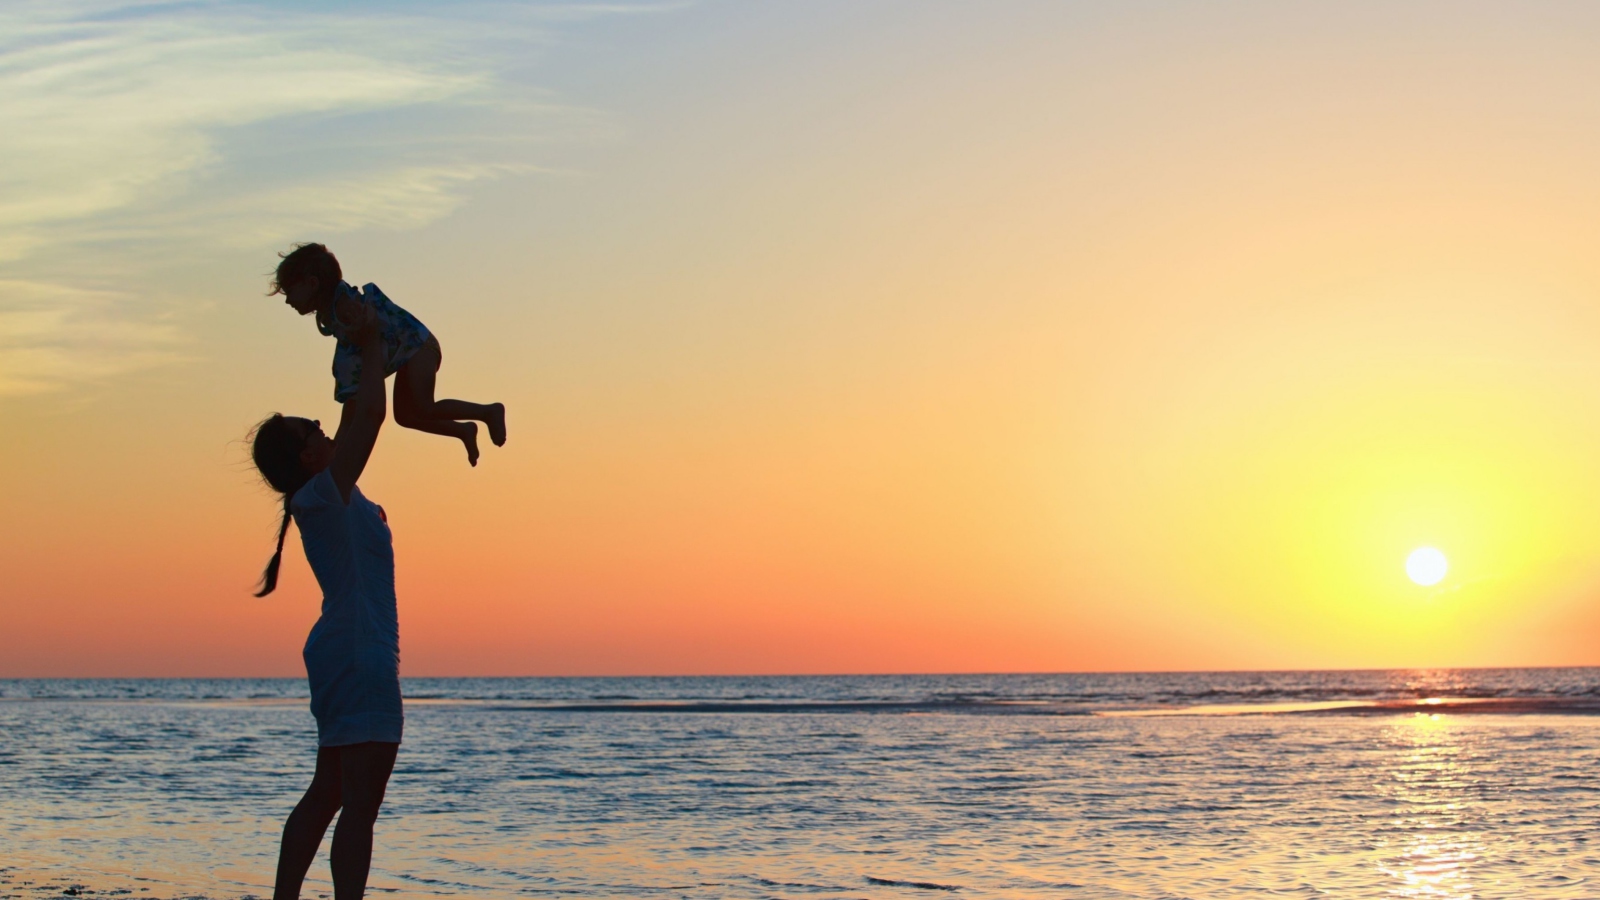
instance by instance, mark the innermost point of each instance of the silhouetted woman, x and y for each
(353, 653)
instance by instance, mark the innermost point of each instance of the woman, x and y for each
(353, 653)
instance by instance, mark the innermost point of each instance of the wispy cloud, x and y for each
(53, 337)
(103, 115)
(230, 123)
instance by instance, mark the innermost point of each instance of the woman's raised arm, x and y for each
(364, 413)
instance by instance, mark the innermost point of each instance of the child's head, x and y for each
(306, 277)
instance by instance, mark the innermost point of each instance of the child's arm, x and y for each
(364, 413)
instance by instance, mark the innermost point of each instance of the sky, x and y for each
(835, 337)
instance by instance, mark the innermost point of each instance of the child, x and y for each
(310, 281)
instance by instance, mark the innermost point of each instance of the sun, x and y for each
(1427, 566)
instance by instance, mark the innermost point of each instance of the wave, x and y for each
(919, 885)
(1426, 706)
(1574, 691)
(1429, 705)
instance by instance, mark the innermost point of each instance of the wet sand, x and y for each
(23, 884)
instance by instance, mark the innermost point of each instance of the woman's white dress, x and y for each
(353, 652)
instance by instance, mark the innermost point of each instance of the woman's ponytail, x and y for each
(269, 578)
(275, 448)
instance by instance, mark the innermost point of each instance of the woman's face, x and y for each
(316, 451)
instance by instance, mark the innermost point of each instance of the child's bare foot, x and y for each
(469, 436)
(497, 424)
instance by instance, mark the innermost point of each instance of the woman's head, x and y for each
(306, 277)
(287, 451)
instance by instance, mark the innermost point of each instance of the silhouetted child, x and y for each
(310, 281)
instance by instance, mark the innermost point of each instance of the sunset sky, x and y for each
(836, 336)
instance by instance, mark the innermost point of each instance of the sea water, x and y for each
(1428, 784)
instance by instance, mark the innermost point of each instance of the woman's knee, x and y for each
(364, 778)
(323, 795)
(363, 796)
(327, 782)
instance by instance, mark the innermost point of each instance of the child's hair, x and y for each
(307, 261)
(275, 449)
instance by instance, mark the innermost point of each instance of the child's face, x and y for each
(302, 295)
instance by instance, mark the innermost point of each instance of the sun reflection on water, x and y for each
(1434, 843)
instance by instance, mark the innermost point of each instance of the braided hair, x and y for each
(275, 448)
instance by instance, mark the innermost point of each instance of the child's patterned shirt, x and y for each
(402, 337)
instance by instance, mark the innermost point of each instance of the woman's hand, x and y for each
(364, 413)
(359, 321)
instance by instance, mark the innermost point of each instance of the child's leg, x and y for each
(412, 412)
(414, 406)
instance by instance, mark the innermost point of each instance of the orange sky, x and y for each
(921, 337)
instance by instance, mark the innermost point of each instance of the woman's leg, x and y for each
(302, 834)
(364, 774)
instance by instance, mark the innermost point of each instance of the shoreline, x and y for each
(32, 883)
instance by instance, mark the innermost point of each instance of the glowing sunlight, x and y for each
(1427, 566)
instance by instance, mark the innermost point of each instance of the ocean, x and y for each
(1425, 784)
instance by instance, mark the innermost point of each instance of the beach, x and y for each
(975, 786)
